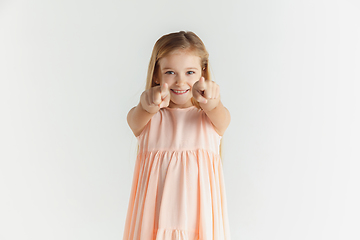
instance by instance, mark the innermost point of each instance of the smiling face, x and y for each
(180, 70)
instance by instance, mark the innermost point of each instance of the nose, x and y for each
(180, 80)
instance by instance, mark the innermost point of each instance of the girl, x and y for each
(178, 190)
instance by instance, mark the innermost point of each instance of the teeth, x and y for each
(180, 91)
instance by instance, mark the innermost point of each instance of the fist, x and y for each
(155, 98)
(207, 93)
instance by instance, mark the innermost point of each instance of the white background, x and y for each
(288, 72)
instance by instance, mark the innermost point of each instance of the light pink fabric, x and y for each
(178, 190)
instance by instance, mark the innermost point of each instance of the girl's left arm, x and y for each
(220, 118)
(207, 93)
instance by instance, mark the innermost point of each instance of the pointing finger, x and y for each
(201, 84)
(208, 91)
(164, 91)
(165, 101)
(156, 98)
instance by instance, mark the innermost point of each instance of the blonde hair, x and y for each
(169, 43)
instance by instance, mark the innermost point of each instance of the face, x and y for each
(180, 70)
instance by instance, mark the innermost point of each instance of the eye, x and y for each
(169, 72)
(190, 72)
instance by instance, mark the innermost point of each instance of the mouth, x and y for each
(179, 92)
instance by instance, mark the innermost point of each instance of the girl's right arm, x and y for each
(150, 103)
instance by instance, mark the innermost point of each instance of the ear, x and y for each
(156, 77)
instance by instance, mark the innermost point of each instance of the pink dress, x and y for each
(178, 190)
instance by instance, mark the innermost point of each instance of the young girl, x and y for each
(178, 190)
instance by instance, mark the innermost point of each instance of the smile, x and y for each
(179, 91)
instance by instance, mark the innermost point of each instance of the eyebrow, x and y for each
(192, 68)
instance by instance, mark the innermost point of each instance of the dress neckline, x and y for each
(181, 109)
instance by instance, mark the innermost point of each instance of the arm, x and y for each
(150, 103)
(207, 93)
(220, 118)
(137, 119)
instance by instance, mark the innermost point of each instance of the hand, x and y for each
(155, 98)
(207, 93)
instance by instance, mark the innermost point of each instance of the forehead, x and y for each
(179, 59)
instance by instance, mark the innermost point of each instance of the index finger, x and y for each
(164, 90)
(201, 84)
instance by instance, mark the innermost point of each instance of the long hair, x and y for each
(167, 44)
(171, 42)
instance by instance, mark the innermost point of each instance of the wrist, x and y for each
(210, 105)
